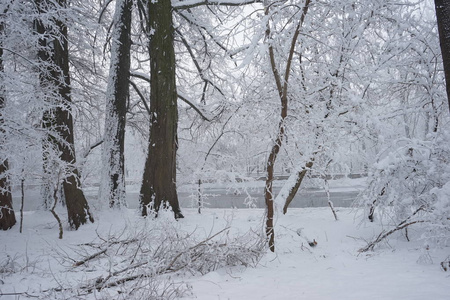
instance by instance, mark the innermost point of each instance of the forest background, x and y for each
(167, 94)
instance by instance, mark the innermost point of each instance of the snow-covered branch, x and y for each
(202, 114)
(180, 4)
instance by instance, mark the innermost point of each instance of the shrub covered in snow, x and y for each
(411, 186)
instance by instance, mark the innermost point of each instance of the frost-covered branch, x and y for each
(180, 96)
(201, 26)
(177, 4)
(90, 257)
(197, 66)
(202, 114)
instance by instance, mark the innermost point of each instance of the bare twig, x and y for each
(141, 96)
(22, 191)
(384, 235)
(445, 264)
(194, 107)
(195, 246)
(91, 257)
(52, 210)
(92, 147)
(26, 294)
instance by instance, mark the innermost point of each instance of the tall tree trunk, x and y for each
(282, 84)
(113, 180)
(54, 77)
(159, 180)
(443, 22)
(7, 216)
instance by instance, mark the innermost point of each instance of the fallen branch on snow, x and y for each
(385, 234)
(140, 259)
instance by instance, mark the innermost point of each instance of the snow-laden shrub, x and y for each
(438, 220)
(411, 186)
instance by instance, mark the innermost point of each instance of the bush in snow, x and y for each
(411, 186)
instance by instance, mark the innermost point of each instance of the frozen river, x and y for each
(225, 197)
(305, 198)
(218, 196)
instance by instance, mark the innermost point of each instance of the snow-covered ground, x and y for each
(36, 260)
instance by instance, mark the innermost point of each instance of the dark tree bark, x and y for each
(443, 22)
(113, 181)
(159, 180)
(7, 216)
(53, 55)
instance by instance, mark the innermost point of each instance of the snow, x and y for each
(331, 270)
(334, 269)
